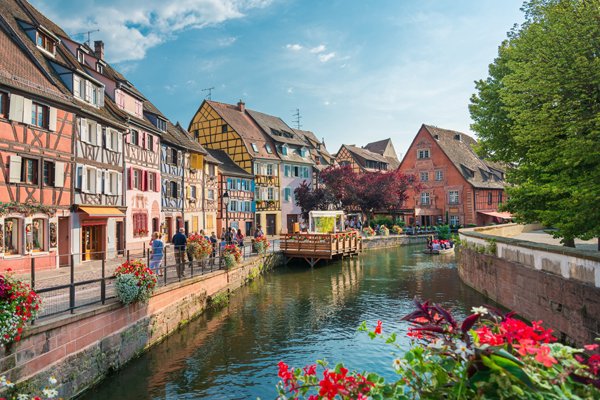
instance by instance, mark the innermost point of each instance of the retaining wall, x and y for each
(379, 242)
(558, 285)
(80, 349)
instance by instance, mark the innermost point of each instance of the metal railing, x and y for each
(92, 282)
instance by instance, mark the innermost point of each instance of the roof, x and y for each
(247, 128)
(185, 138)
(366, 154)
(378, 147)
(308, 135)
(393, 162)
(460, 152)
(276, 128)
(228, 166)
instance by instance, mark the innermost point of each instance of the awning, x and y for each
(102, 212)
(503, 215)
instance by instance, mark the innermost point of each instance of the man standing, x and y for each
(213, 241)
(180, 241)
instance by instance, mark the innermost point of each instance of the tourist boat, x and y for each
(445, 251)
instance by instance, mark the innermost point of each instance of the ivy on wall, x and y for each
(26, 208)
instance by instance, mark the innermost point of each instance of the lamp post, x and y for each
(226, 200)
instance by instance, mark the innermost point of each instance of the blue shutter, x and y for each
(253, 206)
(239, 184)
(252, 186)
(229, 184)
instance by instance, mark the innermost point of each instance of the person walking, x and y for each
(179, 240)
(156, 255)
(223, 233)
(346, 224)
(213, 241)
(240, 238)
(257, 233)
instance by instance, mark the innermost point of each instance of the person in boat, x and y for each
(435, 245)
(429, 242)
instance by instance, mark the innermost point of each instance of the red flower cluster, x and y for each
(18, 300)
(233, 249)
(515, 331)
(139, 269)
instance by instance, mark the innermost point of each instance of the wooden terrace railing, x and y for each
(320, 245)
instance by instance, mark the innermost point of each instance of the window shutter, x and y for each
(194, 161)
(275, 169)
(228, 183)
(83, 129)
(16, 108)
(188, 192)
(130, 178)
(179, 159)
(76, 92)
(107, 188)
(109, 139)
(59, 174)
(98, 135)
(252, 185)
(287, 170)
(263, 169)
(119, 142)
(120, 184)
(52, 119)
(179, 190)
(276, 193)
(253, 206)
(78, 175)
(98, 183)
(26, 110)
(156, 181)
(15, 169)
(239, 184)
(88, 91)
(145, 139)
(84, 178)
(128, 137)
(255, 169)
(168, 189)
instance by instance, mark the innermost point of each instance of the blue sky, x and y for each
(359, 71)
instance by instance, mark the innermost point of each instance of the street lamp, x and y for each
(226, 200)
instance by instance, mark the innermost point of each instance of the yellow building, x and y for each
(227, 127)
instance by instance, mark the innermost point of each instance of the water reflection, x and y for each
(298, 315)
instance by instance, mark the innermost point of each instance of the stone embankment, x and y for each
(558, 285)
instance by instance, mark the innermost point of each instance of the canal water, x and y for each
(297, 315)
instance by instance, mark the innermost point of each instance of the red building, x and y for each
(459, 187)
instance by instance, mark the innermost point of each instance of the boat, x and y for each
(445, 251)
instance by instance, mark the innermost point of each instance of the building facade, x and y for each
(320, 156)
(211, 194)
(230, 128)
(361, 160)
(459, 187)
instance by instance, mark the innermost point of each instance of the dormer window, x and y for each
(161, 124)
(303, 153)
(254, 147)
(99, 68)
(284, 150)
(45, 42)
(268, 149)
(80, 56)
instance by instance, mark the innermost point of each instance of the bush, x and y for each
(18, 304)
(444, 232)
(135, 282)
(382, 221)
(261, 244)
(199, 247)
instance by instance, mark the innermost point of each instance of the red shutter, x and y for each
(128, 137)
(130, 178)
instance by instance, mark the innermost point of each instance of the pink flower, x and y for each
(590, 347)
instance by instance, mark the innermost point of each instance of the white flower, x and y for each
(479, 310)
(23, 396)
(437, 344)
(52, 380)
(399, 364)
(50, 393)
(462, 350)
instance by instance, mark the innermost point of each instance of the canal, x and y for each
(297, 315)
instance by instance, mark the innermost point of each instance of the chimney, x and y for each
(457, 137)
(99, 49)
(241, 105)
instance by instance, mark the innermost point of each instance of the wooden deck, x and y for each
(314, 247)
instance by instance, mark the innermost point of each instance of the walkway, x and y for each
(542, 237)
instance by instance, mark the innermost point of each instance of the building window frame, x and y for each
(3, 104)
(439, 175)
(36, 232)
(425, 199)
(39, 115)
(269, 150)
(254, 147)
(490, 198)
(423, 154)
(13, 228)
(29, 171)
(453, 197)
(48, 173)
(210, 195)
(424, 176)
(454, 220)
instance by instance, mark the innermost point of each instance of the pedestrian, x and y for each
(346, 224)
(352, 224)
(213, 241)
(302, 226)
(179, 240)
(261, 231)
(257, 233)
(230, 236)
(223, 245)
(359, 224)
(240, 238)
(156, 254)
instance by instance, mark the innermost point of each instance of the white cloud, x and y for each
(318, 49)
(290, 90)
(294, 47)
(130, 28)
(326, 57)
(326, 103)
(171, 88)
(226, 41)
(191, 82)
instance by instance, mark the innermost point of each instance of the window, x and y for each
(303, 153)
(247, 206)
(90, 175)
(287, 170)
(11, 235)
(210, 195)
(268, 149)
(306, 172)
(80, 56)
(317, 159)
(136, 179)
(424, 199)
(423, 153)
(269, 169)
(453, 197)
(45, 42)
(38, 115)
(233, 205)
(81, 89)
(161, 124)
(114, 140)
(91, 131)
(424, 176)
(174, 193)
(193, 191)
(224, 128)
(287, 194)
(135, 138)
(48, 173)
(211, 170)
(99, 68)
(270, 194)
(254, 147)
(94, 96)
(454, 220)
(500, 198)
(439, 176)
(30, 171)
(151, 181)
(112, 183)
(490, 198)
(174, 156)
(3, 104)
(284, 150)
(37, 235)
(140, 221)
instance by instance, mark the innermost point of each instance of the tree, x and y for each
(309, 199)
(395, 186)
(540, 109)
(339, 184)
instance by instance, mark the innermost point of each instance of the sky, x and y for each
(358, 71)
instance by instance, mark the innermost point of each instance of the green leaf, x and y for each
(513, 370)
(338, 368)
(391, 339)
(484, 375)
(448, 364)
(409, 356)
(506, 354)
(372, 377)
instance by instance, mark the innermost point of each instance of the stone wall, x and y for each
(555, 284)
(80, 349)
(379, 242)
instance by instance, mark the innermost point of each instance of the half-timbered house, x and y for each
(230, 128)
(319, 153)
(36, 137)
(386, 149)
(360, 159)
(211, 194)
(459, 187)
(239, 186)
(296, 164)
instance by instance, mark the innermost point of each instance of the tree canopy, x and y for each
(539, 111)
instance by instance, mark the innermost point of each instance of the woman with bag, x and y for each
(156, 255)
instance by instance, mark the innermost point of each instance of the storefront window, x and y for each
(37, 235)
(11, 236)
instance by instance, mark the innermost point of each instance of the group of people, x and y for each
(179, 241)
(353, 223)
(438, 244)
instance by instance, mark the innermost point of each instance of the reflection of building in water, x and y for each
(347, 280)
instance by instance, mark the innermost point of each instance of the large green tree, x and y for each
(539, 111)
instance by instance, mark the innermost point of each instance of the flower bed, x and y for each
(18, 305)
(495, 357)
(384, 231)
(140, 232)
(199, 247)
(231, 255)
(135, 282)
(261, 244)
(368, 232)
(396, 230)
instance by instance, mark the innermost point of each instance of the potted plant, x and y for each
(231, 255)
(368, 232)
(271, 202)
(258, 176)
(271, 177)
(18, 305)
(261, 244)
(384, 231)
(135, 282)
(396, 230)
(259, 202)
